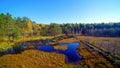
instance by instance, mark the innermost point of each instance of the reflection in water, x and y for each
(22, 47)
(10, 51)
(17, 49)
(71, 53)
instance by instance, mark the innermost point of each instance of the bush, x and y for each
(18, 48)
(117, 63)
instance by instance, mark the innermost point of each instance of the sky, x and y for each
(64, 11)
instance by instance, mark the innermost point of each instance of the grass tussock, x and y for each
(60, 47)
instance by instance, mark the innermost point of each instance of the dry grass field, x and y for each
(107, 44)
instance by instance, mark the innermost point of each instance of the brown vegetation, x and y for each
(60, 47)
(39, 59)
(107, 44)
(70, 40)
(33, 59)
(91, 59)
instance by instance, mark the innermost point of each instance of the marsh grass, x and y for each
(90, 58)
(5, 46)
(33, 59)
(39, 59)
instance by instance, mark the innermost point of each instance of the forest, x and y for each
(17, 27)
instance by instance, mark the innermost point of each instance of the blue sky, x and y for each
(64, 11)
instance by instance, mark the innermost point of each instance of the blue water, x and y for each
(10, 51)
(15, 50)
(71, 54)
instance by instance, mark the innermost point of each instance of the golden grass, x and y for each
(92, 59)
(33, 59)
(33, 38)
(5, 46)
(70, 40)
(94, 39)
(108, 44)
(57, 47)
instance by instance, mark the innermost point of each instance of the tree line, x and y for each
(96, 29)
(18, 27)
(24, 27)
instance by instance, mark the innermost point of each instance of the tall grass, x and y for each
(5, 46)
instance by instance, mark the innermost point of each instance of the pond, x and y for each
(71, 54)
